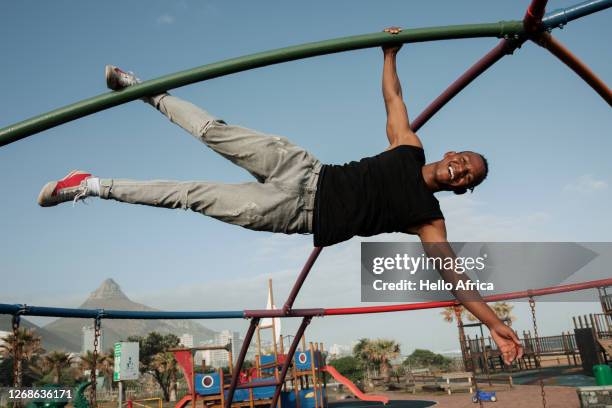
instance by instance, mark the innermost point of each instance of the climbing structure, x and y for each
(535, 26)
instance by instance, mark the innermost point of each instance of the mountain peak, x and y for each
(109, 289)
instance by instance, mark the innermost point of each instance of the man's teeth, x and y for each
(451, 172)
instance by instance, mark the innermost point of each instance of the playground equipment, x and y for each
(304, 386)
(254, 316)
(535, 26)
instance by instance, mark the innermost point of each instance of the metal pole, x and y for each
(534, 14)
(86, 107)
(120, 396)
(289, 359)
(504, 47)
(547, 41)
(301, 278)
(243, 351)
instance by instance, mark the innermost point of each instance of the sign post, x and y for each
(126, 365)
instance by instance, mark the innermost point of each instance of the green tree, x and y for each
(349, 366)
(421, 358)
(150, 346)
(167, 366)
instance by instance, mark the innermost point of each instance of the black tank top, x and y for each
(384, 193)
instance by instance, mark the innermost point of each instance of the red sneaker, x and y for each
(73, 187)
(117, 79)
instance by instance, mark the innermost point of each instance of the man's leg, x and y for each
(256, 206)
(266, 157)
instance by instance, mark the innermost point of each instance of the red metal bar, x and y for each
(504, 47)
(289, 359)
(301, 278)
(243, 351)
(263, 313)
(571, 287)
(534, 14)
(560, 51)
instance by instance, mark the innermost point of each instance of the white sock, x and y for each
(93, 186)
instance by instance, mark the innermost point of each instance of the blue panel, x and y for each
(302, 360)
(207, 384)
(263, 392)
(287, 399)
(241, 394)
(267, 359)
(307, 397)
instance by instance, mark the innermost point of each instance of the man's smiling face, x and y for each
(460, 170)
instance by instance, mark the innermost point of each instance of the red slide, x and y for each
(349, 384)
(184, 401)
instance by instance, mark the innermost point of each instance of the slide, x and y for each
(349, 384)
(184, 401)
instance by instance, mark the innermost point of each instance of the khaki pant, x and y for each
(281, 200)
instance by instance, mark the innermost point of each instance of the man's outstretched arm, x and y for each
(433, 237)
(398, 125)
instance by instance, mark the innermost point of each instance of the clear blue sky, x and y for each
(546, 134)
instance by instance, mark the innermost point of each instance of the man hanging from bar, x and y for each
(294, 193)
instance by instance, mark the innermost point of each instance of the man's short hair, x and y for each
(471, 187)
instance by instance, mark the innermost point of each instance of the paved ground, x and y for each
(520, 396)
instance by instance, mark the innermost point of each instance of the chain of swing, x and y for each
(537, 350)
(532, 305)
(94, 362)
(16, 352)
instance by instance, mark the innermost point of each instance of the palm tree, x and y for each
(360, 353)
(105, 365)
(381, 352)
(28, 344)
(448, 314)
(503, 310)
(86, 361)
(165, 364)
(55, 362)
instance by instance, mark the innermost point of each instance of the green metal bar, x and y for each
(98, 103)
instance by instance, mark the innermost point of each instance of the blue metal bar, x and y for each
(25, 310)
(563, 16)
